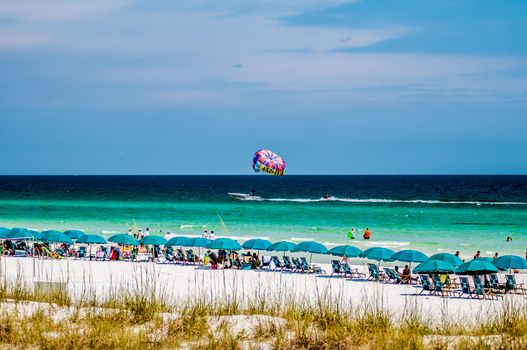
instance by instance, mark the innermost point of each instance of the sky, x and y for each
(196, 87)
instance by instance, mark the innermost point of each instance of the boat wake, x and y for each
(381, 201)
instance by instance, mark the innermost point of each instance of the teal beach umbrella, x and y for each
(52, 236)
(447, 257)
(224, 243)
(19, 233)
(4, 232)
(74, 234)
(282, 246)
(435, 266)
(476, 267)
(154, 240)
(256, 244)
(311, 247)
(378, 253)
(180, 241)
(506, 262)
(485, 258)
(91, 239)
(409, 255)
(199, 242)
(123, 238)
(346, 250)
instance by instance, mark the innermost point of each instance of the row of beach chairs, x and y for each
(294, 264)
(344, 269)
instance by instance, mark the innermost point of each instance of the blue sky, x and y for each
(195, 87)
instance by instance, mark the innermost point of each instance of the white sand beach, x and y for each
(182, 284)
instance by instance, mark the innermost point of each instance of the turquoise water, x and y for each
(431, 214)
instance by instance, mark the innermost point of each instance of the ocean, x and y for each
(427, 213)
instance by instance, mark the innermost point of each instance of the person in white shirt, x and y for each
(211, 236)
(147, 232)
(205, 234)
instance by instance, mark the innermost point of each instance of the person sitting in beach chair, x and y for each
(213, 260)
(512, 286)
(336, 269)
(256, 262)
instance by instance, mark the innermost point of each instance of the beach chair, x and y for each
(481, 291)
(305, 266)
(512, 286)
(465, 288)
(81, 253)
(336, 269)
(60, 252)
(425, 284)
(287, 263)
(191, 257)
(318, 270)
(245, 266)
(392, 275)
(495, 284)
(48, 253)
(297, 265)
(374, 272)
(276, 262)
(353, 273)
(181, 256)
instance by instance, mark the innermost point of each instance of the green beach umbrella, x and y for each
(91, 239)
(378, 253)
(346, 250)
(180, 241)
(52, 236)
(449, 258)
(123, 238)
(282, 246)
(256, 244)
(224, 243)
(506, 262)
(153, 240)
(476, 267)
(74, 234)
(409, 255)
(199, 242)
(435, 266)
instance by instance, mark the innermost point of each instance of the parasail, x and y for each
(269, 162)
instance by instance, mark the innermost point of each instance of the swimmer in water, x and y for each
(367, 233)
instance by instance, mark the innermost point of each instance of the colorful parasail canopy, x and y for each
(269, 162)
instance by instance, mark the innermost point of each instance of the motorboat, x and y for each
(244, 197)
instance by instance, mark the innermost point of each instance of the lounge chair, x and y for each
(305, 266)
(60, 252)
(81, 253)
(287, 263)
(426, 286)
(276, 262)
(465, 288)
(191, 257)
(246, 266)
(392, 275)
(495, 284)
(318, 270)
(511, 285)
(354, 273)
(297, 264)
(481, 291)
(336, 269)
(375, 274)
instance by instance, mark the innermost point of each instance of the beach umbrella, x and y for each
(346, 250)
(199, 242)
(224, 243)
(74, 234)
(179, 241)
(256, 243)
(311, 247)
(409, 255)
(124, 238)
(52, 236)
(476, 267)
(4, 232)
(435, 266)
(449, 258)
(506, 262)
(153, 240)
(19, 233)
(91, 239)
(378, 253)
(282, 246)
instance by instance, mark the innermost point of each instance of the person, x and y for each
(367, 233)
(253, 192)
(351, 234)
(147, 232)
(495, 256)
(478, 254)
(344, 260)
(205, 234)
(140, 234)
(407, 275)
(130, 232)
(212, 236)
(326, 197)
(457, 253)
(255, 261)
(509, 239)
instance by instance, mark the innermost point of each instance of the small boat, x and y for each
(244, 197)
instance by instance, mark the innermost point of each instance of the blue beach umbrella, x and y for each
(435, 266)
(4, 232)
(409, 255)
(91, 239)
(52, 236)
(180, 241)
(378, 253)
(311, 247)
(224, 243)
(506, 262)
(447, 257)
(123, 238)
(282, 246)
(476, 267)
(153, 240)
(256, 244)
(19, 233)
(346, 250)
(74, 234)
(199, 242)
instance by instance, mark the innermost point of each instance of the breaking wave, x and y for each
(381, 200)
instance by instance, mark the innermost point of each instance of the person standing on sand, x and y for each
(212, 236)
(130, 232)
(147, 232)
(367, 233)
